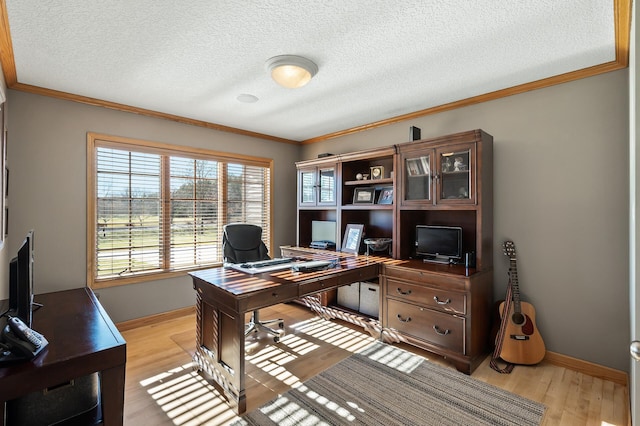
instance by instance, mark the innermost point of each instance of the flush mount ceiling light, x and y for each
(291, 71)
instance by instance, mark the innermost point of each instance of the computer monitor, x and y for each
(439, 243)
(21, 281)
(323, 231)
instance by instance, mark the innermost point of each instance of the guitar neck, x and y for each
(515, 290)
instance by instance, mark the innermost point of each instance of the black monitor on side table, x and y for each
(21, 281)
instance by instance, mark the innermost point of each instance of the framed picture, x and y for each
(352, 238)
(377, 172)
(364, 195)
(386, 195)
(417, 166)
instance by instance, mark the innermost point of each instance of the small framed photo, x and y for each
(417, 166)
(377, 172)
(364, 195)
(386, 195)
(352, 237)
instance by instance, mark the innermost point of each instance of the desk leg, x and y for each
(113, 395)
(220, 351)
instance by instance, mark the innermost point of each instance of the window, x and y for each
(159, 209)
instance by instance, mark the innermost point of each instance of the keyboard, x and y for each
(312, 265)
(322, 244)
(268, 262)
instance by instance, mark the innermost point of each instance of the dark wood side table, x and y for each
(82, 340)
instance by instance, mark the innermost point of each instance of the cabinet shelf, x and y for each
(457, 172)
(369, 182)
(367, 207)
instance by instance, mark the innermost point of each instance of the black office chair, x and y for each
(242, 242)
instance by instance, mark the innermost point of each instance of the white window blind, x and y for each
(129, 212)
(161, 210)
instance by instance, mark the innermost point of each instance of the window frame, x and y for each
(98, 140)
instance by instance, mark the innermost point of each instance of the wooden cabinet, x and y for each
(444, 309)
(445, 182)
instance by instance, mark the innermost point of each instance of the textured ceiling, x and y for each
(377, 59)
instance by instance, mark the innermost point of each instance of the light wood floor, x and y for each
(162, 388)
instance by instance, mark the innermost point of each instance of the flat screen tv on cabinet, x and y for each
(21, 281)
(441, 244)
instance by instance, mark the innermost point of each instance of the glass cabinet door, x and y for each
(307, 181)
(455, 183)
(327, 186)
(317, 186)
(417, 178)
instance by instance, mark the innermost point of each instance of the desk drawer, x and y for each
(269, 297)
(316, 286)
(436, 298)
(362, 273)
(447, 281)
(435, 327)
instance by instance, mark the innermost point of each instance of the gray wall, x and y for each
(47, 192)
(561, 185)
(561, 194)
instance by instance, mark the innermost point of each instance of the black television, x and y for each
(441, 244)
(21, 281)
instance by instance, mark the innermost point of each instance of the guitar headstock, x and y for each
(509, 249)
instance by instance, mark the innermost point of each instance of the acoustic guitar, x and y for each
(522, 343)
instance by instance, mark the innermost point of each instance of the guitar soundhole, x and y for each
(518, 318)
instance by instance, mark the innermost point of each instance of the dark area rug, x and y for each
(385, 385)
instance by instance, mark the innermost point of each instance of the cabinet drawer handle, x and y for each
(440, 332)
(441, 302)
(404, 293)
(403, 320)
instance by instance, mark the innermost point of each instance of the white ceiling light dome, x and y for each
(291, 71)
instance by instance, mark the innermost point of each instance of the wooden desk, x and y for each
(82, 340)
(224, 295)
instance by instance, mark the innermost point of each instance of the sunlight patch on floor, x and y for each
(334, 333)
(397, 358)
(186, 398)
(284, 407)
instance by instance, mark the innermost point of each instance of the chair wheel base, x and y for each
(256, 325)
